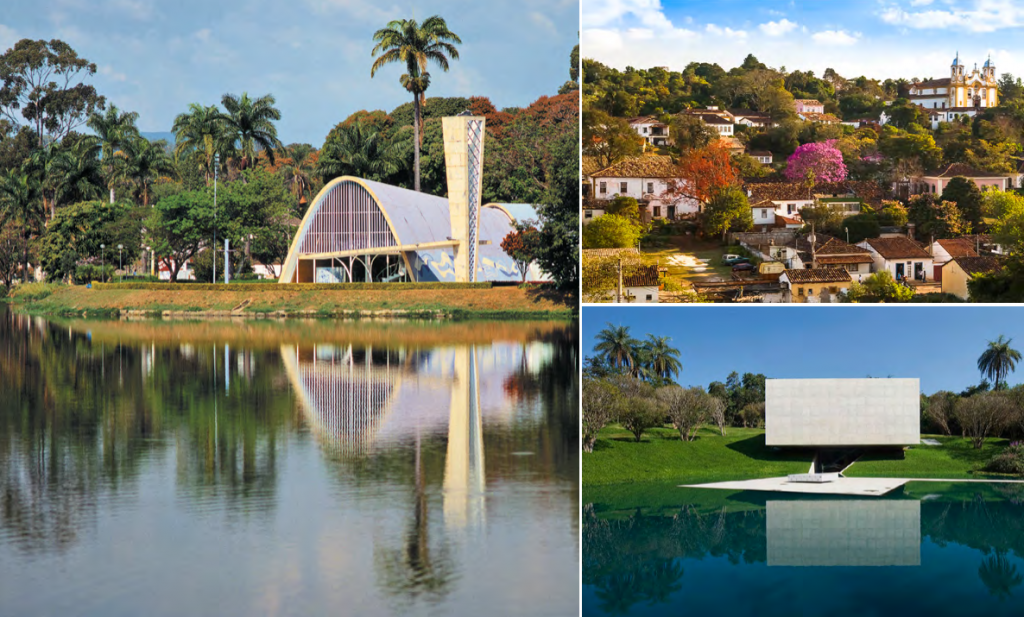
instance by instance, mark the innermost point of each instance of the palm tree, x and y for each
(250, 124)
(77, 170)
(998, 361)
(19, 202)
(201, 129)
(999, 575)
(114, 129)
(662, 358)
(363, 151)
(618, 347)
(415, 45)
(143, 162)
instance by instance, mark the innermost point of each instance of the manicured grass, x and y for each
(956, 458)
(662, 457)
(509, 302)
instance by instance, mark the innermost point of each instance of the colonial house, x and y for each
(723, 126)
(751, 118)
(901, 257)
(640, 284)
(766, 214)
(788, 198)
(958, 271)
(648, 179)
(834, 253)
(588, 166)
(943, 251)
(813, 106)
(654, 131)
(935, 181)
(819, 285)
(761, 156)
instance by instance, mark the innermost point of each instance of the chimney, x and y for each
(910, 230)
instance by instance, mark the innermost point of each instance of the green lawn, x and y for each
(661, 457)
(956, 458)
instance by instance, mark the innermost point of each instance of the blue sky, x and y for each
(939, 345)
(877, 38)
(313, 55)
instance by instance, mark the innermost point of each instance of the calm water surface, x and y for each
(933, 549)
(310, 468)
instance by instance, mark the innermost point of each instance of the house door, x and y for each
(938, 274)
(918, 271)
(672, 213)
(900, 272)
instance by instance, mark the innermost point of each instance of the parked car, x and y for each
(743, 267)
(735, 259)
(729, 256)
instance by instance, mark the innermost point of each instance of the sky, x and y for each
(938, 344)
(313, 55)
(877, 38)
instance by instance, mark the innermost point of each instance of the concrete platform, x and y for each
(861, 487)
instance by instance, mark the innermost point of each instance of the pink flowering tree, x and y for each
(822, 160)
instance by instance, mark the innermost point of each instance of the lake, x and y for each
(288, 468)
(928, 549)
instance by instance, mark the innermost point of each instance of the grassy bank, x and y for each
(661, 459)
(257, 300)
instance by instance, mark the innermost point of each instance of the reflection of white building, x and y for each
(879, 532)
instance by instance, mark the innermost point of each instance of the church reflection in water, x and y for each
(361, 401)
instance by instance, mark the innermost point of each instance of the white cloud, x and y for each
(920, 2)
(777, 28)
(714, 30)
(109, 72)
(981, 16)
(8, 37)
(543, 22)
(602, 13)
(835, 37)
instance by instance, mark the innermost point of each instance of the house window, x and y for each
(645, 129)
(764, 214)
(810, 291)
(833, 290)
(790, 208)
(650, 297)
(657, 211)
(650, 187)
(623, 188)
(588, 214)
(853, 267)
(799, 291)
(603, 188)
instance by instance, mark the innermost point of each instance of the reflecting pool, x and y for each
(931, 549)
(282, 468)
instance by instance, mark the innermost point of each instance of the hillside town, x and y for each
(758, 186)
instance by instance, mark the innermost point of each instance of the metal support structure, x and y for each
(475, 160)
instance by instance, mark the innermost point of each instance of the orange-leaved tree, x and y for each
(704, 173)
(521, 245)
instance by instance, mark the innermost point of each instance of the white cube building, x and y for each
(842, 412)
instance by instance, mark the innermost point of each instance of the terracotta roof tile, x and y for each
(640, 167)
(640, 276)
(977, 265)
(897, 248)
(958, 247)
(818, 275)
(843, 259)
(630, 253)
(590, 165)
(931, 83)
(835, 246)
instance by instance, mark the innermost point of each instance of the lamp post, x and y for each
(103, 262)
(216, 168)
(847, 234)
(120, 266)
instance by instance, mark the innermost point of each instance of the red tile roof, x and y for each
(640, 276)
(931, 83)
(640, 167)
(978, 265)
(958, 247)
(818, 275)
(897, 248)
(843, 259)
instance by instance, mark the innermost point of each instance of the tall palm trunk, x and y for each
(416, 140)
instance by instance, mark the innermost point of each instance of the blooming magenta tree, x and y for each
(823, 160)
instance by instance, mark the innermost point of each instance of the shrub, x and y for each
(87, 273)
(1011, 461)
(33, 291)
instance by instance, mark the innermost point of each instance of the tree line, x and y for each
(69, 198)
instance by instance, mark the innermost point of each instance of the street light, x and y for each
(216, 168)
(847, 234)
(120, 267)
(103, 262)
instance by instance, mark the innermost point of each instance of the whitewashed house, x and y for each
(901, 257)
(640, 284)
(654, 131)
(649, 180)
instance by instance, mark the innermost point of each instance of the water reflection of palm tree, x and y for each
(999, 575)
(415, 570)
